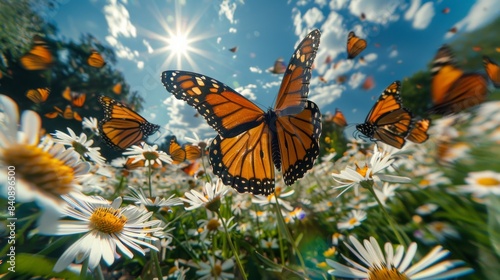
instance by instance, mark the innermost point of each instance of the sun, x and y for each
(179, 45)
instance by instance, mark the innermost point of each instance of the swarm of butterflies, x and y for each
(251, 142)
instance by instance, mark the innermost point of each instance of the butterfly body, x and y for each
(388, 121)
(251, 142)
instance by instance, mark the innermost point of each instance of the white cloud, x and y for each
(382, 67)
(393, 53)
(356, 79)
(271, 84)
(247, 91)
(148, 46)
(378, 11)
(337, 4)
(255, 69)
(121, 50)
(424, 16)
(320, 3)
(312, 16)
(219, 39)
(481, 13)
(410, 13)
(227, 9)
(118, 20)
(140, 65)
(324, 95)
(232, 30)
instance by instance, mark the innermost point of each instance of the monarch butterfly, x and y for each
(76, 99)
(355, 45)
(39, 57)
(493, 71)
(418, 133)
(338, 118)
(250, 140)
(279, 67)
(388, 121)
(68, 114)
(117, 89)
(180, 154)
(368, 83)
(95, 60)
(452, 89)
(38, 95)
(233, 49)
(121, 127)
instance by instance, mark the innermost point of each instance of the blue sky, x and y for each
(147, 37)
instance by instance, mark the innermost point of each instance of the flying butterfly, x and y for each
(179, 153)
(493, 71)
(355, 45)
(121, 127)
(388, 121)
(39, 57)
(68, 114)
(418, 134)
(250, 140)
(117, 88)
(338, 118)
(95, 59)
(38, 95)
(76, 99)
(279, 67)
(453, 90)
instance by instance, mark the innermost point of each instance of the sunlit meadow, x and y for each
(74, 209)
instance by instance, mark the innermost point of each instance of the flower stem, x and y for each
(369, 185)
(99, 275)
(235, 253)
(150, 173)
(83, 271)
(156, 261)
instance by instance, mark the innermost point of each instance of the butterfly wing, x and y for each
(294, 88)
(418, 134)
(96, 60)
(339, 118)
(227, 111)
(176, 152)
(38, 95)
(121, 127)
(298, 140)
(493, 71)
(355, 45)
(387, 121)
(245, 162)
(192, 152)
(452, 89)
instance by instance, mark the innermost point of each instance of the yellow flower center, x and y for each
(330, 252)
(213, 224)
(217, 270)
(353, 221)
(150, 155)
(107, 220)
(39, 168)
(384, 273)
(424, 182)
(79, 148)
(362, 171)
(488, 182)
(322, 265)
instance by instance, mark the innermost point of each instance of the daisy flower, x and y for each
(106, 226)
(43, 171)
(278, 194)
(352, 177)
(80, 144)
(270, 243)
(139, 197)
(395, 265)
(149, 154)
(202, 143)
(211, 270)
(426, 209)
(210, 198)
(354, 219)
(482, 183)
(91, 123)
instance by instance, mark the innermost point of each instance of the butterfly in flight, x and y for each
(250, 140)
(279, 67)
(39, 57)
(453, 90)
(418, 134)
(38, 95)
(355, 45)
(122, 127)
(493, 71)
(388, 121)
(96, 60)
(179, 153)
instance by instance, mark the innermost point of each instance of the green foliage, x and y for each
(416, 93)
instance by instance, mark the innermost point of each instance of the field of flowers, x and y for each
(427, 211)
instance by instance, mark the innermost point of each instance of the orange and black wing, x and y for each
(39, 57)
(227, 111)
(121, 127)
(176, 152)
(38, 95)
(339, 118)
(279, 67)
(452, 89)
(388, 121)
(493, 71)
(298, 140)
(355, 45)
(418, 133)
(96, 60)
(294, 88)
